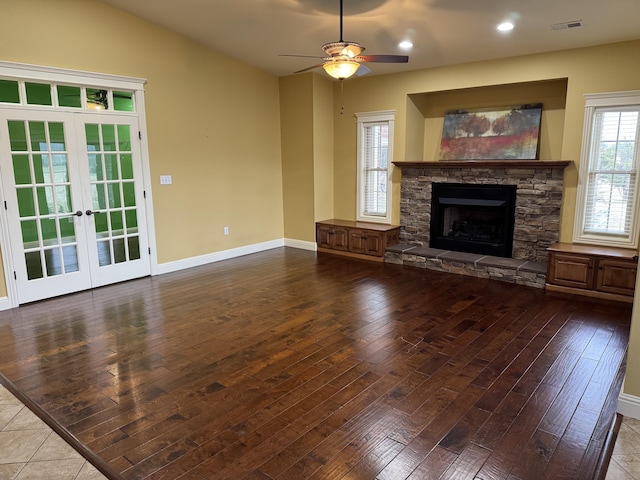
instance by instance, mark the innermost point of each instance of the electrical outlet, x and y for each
(226, 230)
(165, 180)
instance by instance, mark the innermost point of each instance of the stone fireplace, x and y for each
(538, 199)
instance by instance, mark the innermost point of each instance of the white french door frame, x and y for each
(19, 71)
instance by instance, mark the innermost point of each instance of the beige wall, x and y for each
(213, 122)
(306, 119)
(589, 70)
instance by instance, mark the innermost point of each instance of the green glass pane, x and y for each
(49, 231)
(38, 93)
(70, 258)
(45, 201)
(63, 199)
(26, 205)
(67, 230)
(41, 168)
(131, 219)
(60, 169)
(134, 248)
(111, 166)
(123, 101)
(102, 225)
(119, 253)
(56, 137)
(104, 253)
(34, 265)
(95, 167)
(21, 170)
(92, 133)
(117, 226)
(126, 166)
(29, 233)
(17, 136)
(129, 194)
(97, 99)
(38, 137)
(114, 195)
(9, 92)
(98, 196)
(124, 138)
(69, 96)
(108, 138)
(53, 261)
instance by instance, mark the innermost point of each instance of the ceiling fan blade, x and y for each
(362, 70)
(301, 56)
(383, 58)
(310, 68)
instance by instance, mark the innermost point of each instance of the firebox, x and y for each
(473, 218)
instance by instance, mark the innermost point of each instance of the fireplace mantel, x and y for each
(487, 164)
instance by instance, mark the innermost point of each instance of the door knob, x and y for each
(89, 212)
(78, 213)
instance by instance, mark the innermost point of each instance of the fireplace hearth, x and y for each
(473, 218)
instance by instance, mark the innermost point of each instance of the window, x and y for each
(375, 147)
(607, 208)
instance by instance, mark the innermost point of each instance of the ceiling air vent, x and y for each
(565, 25)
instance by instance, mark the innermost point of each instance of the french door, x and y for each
(74, 200)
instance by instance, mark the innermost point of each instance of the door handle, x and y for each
(77, 214)
(90, 212)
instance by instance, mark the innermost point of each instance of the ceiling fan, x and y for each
(345, 59)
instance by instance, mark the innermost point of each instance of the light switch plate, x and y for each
(165, 180)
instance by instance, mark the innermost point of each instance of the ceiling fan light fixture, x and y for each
(341, 68)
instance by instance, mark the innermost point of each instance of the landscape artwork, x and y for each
(507, 133)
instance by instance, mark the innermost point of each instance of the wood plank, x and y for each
(284, 364)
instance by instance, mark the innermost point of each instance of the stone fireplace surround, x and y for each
(537, 216)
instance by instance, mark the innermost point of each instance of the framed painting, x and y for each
(506, 133)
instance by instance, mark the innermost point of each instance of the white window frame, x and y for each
(366, 120)
(595, 104)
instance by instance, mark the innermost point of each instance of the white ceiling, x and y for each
(444, 32)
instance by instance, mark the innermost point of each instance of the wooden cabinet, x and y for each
(356, 239)
(330, 236)
(602, 272)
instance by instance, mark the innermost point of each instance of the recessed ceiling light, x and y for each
(505, 27)
(405, 44)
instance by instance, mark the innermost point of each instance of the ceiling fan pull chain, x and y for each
(341, 96)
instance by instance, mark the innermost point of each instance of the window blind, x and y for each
(612, 175)
(376, 154)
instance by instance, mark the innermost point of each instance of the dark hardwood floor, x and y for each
(284, 365)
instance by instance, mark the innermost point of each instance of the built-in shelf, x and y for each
(487, 164)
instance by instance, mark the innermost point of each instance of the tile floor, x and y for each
(625, 460)
(29, 449)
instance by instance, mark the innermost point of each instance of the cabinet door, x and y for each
(357, 240)
(571, 270)
(340, 239)
(373, 244)
(323, 236)
(616, 276)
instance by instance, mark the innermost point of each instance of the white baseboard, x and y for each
(629, 405)
(5, 303)
(290, 242)
(217, 256)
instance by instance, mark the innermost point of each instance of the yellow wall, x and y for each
(589, 70)
(213, 122)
